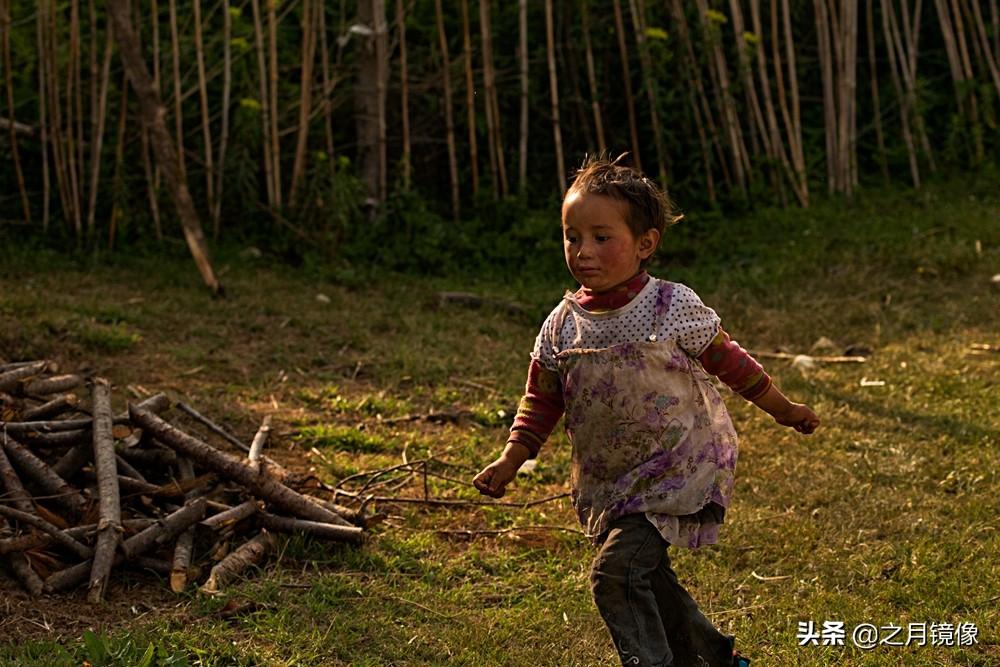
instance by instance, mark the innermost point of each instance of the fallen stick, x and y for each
(51, 385)
(25, 574)
(826, 360)
(249, 554)
(22, 428)
(13, 365)
(324, 531)
(167, 529)
(59, 536)
(63, 493)
(261, 485)
(12, 378)
(212, 426)
(148, 458)
(57, 439)
(259, 440)
(232, 515)
(109, 527)
(53, 408)
(125, 468)
(180, 564)
(453, 503)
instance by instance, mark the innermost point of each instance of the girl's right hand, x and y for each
(494, 478)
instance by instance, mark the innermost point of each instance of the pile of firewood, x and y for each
(84, 492)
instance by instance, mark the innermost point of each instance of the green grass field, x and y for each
(887, 515)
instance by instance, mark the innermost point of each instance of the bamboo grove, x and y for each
(299, 114)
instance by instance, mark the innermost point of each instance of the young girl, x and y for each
(654, 451)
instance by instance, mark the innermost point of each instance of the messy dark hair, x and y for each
(647, 204)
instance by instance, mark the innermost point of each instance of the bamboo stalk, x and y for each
(110, 525)
(74, 120)
(448, 117)
(470, 100)
(991, 60)
(492, 107)
(98, 139)
(627, 79)
(892, 38)
(595, 104)
(554, 98)
(5, 19)
(175, 48)
(883, 159)
(327, 86)
(798, 153)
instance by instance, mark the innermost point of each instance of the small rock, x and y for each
(322, 298)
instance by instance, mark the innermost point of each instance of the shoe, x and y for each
(739, 660)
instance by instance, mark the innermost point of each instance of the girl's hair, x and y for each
(648, 205)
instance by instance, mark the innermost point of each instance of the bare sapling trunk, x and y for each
(449, 121)
(110, 525)
(43, 123)
(637, 9)
(492, 105)
(5, 24)
(305, 98)
(522, 26)
(627, 80)
(166, 154)
(404, 92)
(206, 128)
(272, 51)
(876, 98)
(554, 97)
(470, 99)
(98, 138)
(595, 99)
(265, 102)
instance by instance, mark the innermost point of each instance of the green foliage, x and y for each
(342, 438)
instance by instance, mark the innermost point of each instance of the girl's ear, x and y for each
(648, 242)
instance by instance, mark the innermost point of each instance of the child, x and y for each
(654, 450)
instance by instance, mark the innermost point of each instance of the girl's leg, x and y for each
(692, 637)
(621, 579)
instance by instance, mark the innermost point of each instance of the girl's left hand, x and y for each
(798, 416)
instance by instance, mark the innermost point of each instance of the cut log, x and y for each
(11, 379)
(261, 485)
(57, 439)
(30, 428)
(166, 530)
(11, 483)
(148, 458)
(323, 531)
(180, 564)
(232, 515)
(24, 573)
(75, 458)
(31, 466)
(57, 535)
(109, 527)
(52, 385)
(248, 555)
(53, 408)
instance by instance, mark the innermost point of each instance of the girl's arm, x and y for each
(796, 415)
(537, 414)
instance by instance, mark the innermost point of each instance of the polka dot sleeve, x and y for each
(691, 322)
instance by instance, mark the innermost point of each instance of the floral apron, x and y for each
(650, 434)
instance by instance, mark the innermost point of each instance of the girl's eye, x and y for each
(570, 239)
(601, 239)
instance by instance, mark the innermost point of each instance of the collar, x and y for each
(616, 297)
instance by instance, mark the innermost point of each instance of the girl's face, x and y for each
(601, 251)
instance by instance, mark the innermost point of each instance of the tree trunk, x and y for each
(637, 9)
(163, 146)
(9, 88)
(272, 51)
(522, 163)
(492, 105)
(206, 130)
(883, 160)
(404, 91)
(263, 80)
(227, 79)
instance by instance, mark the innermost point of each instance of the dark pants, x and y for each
(652, 619)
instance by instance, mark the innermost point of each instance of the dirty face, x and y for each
(601, 250)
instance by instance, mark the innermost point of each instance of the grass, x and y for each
(887, 515)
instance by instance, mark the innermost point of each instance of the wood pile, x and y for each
(85, 493)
